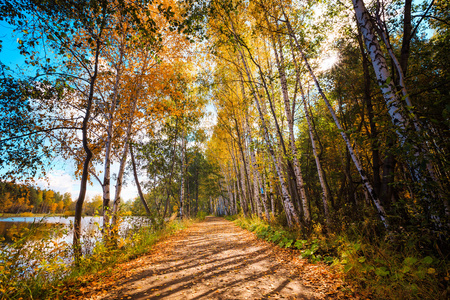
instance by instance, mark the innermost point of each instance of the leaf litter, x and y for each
(215, 259)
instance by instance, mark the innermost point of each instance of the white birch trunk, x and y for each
(289, 207)
(324, 194)
(236, 170)
(388, 89)
(235, 197)
(290, 119)
(106, 185)
(123, 160)
(183, 146)
(380, 65)
(229, 189)
(365, 180)
(259, 197)
(286, 197)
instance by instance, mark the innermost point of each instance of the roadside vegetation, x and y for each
(42, 268)
(379, 268)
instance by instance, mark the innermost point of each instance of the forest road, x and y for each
(215, 259)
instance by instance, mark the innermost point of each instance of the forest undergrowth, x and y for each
(39, 270)
(381, 267)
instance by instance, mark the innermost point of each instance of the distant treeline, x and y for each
(19, 198)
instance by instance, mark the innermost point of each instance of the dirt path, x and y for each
(217, 260)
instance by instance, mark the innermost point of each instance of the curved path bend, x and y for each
(215, 259)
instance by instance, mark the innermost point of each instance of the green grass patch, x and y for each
(375, 265)
(231, 218)
(201, 215)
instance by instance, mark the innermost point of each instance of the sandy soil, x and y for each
(215, 259)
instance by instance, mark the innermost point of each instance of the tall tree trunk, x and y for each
(188, 196)
(370, 115)
(380, 65)
(290, 119)
(242, 144)
(365, 180)
(407, 35)
(290, 168)
(182, 179)
(238, 181)
(235, 190)
(84, 176)
(169, 181)
(196, 191)
(119, 184)
(123, 161)
(391, 96)
(245, 199)
(259, 196)
(136, 181)
(325, 193)
(289, 207)
(256, 174)
(106, 185)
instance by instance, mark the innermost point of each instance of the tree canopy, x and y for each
(330, 114)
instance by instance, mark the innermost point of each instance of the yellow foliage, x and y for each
(26, 214)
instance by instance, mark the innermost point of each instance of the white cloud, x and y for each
(63, 182)
(58, 181)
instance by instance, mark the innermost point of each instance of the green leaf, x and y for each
(405, 269)
(328, 259)
(421, 273)
(307, 253)
(347, 268)
(300, 244)
(382, 271)
(427, 260)
(409, 261)
(362, 259)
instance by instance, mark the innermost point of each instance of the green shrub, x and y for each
(201, 215)
(375, 265)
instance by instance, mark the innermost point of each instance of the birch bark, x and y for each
(279, 59)
(236, 170)
(257, 176)
(106, 184)
(379, 64)
(289, 207)
(388, 89)
(183, 147)
(365, 180)
(119, 181)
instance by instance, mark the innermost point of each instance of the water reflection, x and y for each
(41, 227)
(11, 231)
(41, 247)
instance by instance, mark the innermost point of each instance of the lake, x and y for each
(90, 227)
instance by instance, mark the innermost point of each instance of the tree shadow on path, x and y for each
(213, 259)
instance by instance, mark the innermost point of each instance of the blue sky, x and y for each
(61, 177)
(9, 55)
